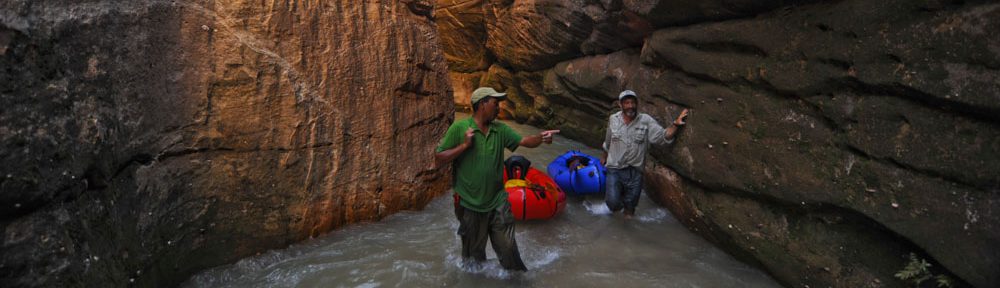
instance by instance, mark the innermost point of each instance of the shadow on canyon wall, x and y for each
(142, 141)
(828, 140)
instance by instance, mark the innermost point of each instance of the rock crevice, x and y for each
(143, 141)
(880, 113)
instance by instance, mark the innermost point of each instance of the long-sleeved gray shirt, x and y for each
(626, 144)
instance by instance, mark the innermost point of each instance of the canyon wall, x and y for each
(142, 141)
(827, 140)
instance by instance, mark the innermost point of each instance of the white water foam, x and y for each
(547, 258)
(652, 216)
(369, 284)
(580, 248)
(490, 268)
(596, 208)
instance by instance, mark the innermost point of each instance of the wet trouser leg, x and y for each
(502, 238)
(633, 188)
(498, 226)
(623, 188)
(613, 193)
(472, 229)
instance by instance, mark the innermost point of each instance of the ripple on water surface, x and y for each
(584, 246)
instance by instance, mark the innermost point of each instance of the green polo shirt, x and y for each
(478, 172)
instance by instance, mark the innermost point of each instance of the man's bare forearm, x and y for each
(671, 132)
(449, 155)
(531, 141)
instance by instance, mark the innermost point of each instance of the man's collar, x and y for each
(475, 126)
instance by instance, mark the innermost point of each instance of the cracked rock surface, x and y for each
(827, 139)
(142, 141)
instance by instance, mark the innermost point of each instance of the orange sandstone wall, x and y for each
(142, 141)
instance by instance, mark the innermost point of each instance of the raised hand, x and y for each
(680, 121)
(468, 135)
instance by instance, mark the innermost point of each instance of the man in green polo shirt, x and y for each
(474, 146)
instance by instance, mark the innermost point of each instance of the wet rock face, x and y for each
(142, 141)
(826, 141)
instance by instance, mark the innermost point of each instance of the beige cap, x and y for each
(627, 93)
(483, 92)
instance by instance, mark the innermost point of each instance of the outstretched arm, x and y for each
(449, 155)
(535, 140)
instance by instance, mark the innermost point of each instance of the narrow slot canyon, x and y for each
(830, 143)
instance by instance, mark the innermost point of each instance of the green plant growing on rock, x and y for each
(944, 281)
(918, 270)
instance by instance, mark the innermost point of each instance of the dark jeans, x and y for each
(624, 187)
(497, 225)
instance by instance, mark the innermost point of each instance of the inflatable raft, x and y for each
(532, 194)
(578, 173)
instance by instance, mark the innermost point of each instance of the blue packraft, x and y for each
(578, 173)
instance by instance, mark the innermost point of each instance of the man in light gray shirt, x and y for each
(629, 135)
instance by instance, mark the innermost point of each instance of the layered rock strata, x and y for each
(142, 141)
(827, 140)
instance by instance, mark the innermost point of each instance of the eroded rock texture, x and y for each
(142, 141)
(827, 139)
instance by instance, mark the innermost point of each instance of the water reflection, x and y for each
(584, 246)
